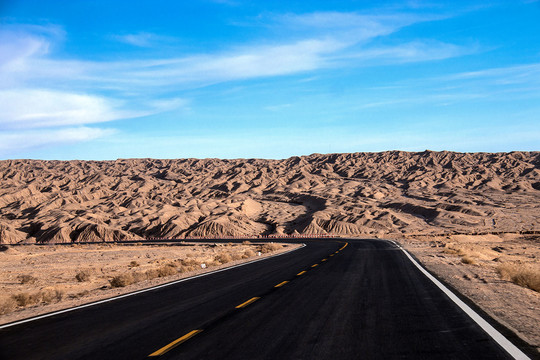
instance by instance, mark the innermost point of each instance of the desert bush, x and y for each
(83, 275)
(151, 274)
(521, 275)
(50, 295)
(139, 276)
(190, 262)
(7, 305)
(134, 264)
(236, 256)
(26, 279)
(166, 270)
(269, 247)
(122, 280)
(248, 253)
(468, 260)
(246, 242)
(25, 299)
(223, 258)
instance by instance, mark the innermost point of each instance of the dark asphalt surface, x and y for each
(368, 301)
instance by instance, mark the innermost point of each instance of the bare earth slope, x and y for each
(376, 194)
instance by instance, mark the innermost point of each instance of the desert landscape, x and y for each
(471, 218)
(360, 194)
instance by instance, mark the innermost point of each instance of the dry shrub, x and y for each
(83, 293)
(25, 299)
(50, 295)
(246, 242)
(521, 275)
(26, 279)
(134, 264)
(236, 256)
(190, 262)
(151, 274)
(122, 280)
(183, 269)
(7, 305)
(266, 248)
(166, 270)
(223, 258)
(139, 276)
(83, 275)
(468, 260)
(248, 253)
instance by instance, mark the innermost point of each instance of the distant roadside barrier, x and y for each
(246, 237)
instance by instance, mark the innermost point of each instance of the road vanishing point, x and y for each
(331, 299)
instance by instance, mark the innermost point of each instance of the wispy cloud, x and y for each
(143, 39)
(13, 142)
(37, 108)
(416, 51)
(41, 89)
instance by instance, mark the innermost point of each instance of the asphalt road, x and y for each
(366, 301)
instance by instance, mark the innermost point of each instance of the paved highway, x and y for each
(329, 300)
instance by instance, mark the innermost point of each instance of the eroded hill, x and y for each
(355, 194)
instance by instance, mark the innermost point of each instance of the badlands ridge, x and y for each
(391, 193)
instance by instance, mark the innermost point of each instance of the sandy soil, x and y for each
(53, 270)
(470, 263)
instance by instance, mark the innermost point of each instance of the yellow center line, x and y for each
(175, 343)
(301, 273)
(314, 265)
(281, 284)
(324, 259)
(332, 255)
(344, 246)
(244, 304)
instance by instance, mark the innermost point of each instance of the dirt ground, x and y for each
(39, 279)
(487, 269)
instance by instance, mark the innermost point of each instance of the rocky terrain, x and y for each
(373, 194)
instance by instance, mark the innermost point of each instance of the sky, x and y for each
(99, 80)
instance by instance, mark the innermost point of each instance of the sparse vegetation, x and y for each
(468, 260)
(520, 274)
(83, 275)
(269, 247)
(223, 258)
(248, 253)
(122, 280)
(26, 279)
(48, 295)
(134, 264)
(166, 270)
(7, 305)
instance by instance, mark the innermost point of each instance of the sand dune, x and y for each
(375, 194)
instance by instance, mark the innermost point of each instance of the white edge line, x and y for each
(141, 291)
(510, 348)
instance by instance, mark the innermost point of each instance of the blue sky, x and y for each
(268, 79)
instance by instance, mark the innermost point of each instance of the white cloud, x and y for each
(416, 51)
(13, 142)
(39, 108)
(39, 89)
(143, 39)
(325, 39)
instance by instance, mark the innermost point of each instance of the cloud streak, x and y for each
(42, 90)
(14, 142)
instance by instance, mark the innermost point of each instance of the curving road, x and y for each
(366, 301)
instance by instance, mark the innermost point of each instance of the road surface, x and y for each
(328, 300)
